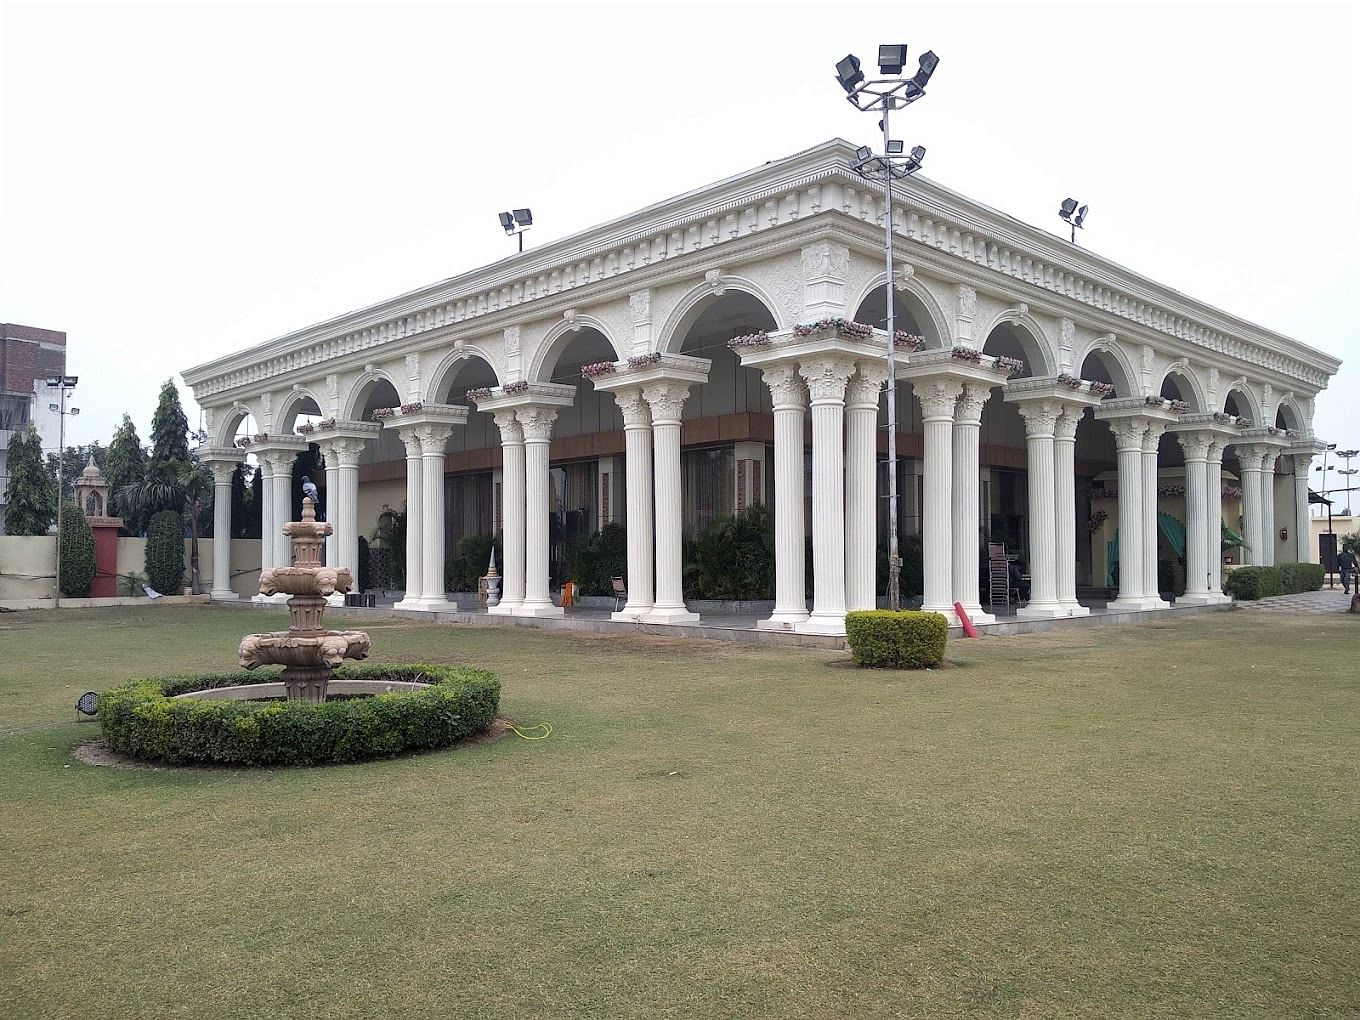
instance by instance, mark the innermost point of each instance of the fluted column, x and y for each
(414, 519)
(434, 592)
(861, 484)
(666, 400)
(1195, 446)
(1268, 507)
(332, 487)
(1213, 521)
(283, 505)
(1128, 441)
(1041, 420)
(342, 501)
(937, 398)
(826, 378)
(512, 513)
(967, 531)
(637, 435)
(222, 471)
(1152, 439)
(267, 526)
(1249, 458)
(537, 422)
(789, 398)
(1065, 508)
(1302, 537)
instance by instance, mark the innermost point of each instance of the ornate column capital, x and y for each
(826, 378)
(433, 436)
(1302, 465)
(410, 438)
(512, 433)
(786, 387)
(342, 451)
(1251, 456)
(1272, 454)
(1217, 444)
(968, 410)
(867, 385)
(537, 422)
(937, 398)
(222, 470)
(1041, 417)
(666, 400)
(1195, 445)
(1128, 433)
(278, 460)
(1066, 429)
(1152, 438)
(634, 408)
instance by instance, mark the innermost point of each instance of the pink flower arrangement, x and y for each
(383, 413)
(1070, 381)
(260, 437)
(757, 339)
(326, 423)
(1179, 406)
(847, 328)
(479, 393)
(910, 341)
(643, 360)
(510, 389)
(1011, 365)
(596, 369)
(412, 408)
(966, 354)
(243, 442)
(1101, 389)
(305, 429)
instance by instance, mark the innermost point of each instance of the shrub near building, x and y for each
(896, 640)
(165, 553)
(77, 553)
(1248, 583)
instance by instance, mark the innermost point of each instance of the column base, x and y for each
(670, 615)
(426, 605)
(976, 614)
(782, 620)
(822, 623)
(503, 608)
(1133, 604)
(951, 617)
(335, 599)
(1041, 611)
(1203, 598)
(1074, 609)
(223, 596)
(630, 614)
(540, 609)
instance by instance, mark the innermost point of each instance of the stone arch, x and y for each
(1114, 363)
(358, 393)
(225, 434)
(696, 301)
(1239, 392)
(294, 404)
(1288, 415)
(1028, 335)
(1180, 376)
(454, 362)
(560, 337)
(918, 299)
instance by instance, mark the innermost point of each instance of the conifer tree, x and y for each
(125, 465)
(169, 429)
(30, 495)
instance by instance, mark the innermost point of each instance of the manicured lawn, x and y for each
(1134, 822)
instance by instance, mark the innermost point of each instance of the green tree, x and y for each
(169, 429)
(165, 552)
(254, 507)
(30, 495)
(1351, 542)
(124, 464)
(77, 553)
(184, 487)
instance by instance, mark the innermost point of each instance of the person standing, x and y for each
(1346, 563)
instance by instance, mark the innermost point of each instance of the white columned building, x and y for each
(720, 352)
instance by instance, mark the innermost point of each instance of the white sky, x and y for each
(179, 181)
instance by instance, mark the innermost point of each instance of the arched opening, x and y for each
(1010, 340)
(1287, 417)
(1240, 403)
(472, 484)
(909, 314)
(300, 408)
(1178, 386)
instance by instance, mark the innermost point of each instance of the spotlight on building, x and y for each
(524, 217)
(892, 57)
(918, 154)
(1070, 214)
(516, 223)
(894, 147)
(927, 67)
(1069, 206)
(848, 72)
(508, 222)
(863, 153)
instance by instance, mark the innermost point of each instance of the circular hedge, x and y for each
(143, 719)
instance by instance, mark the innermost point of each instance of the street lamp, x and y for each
(516, 222)
(64, 384)
(1066, 214)
(890, 92)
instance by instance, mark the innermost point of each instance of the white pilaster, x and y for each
(637, 437)
(861, 484)
(512, 514)
(537, 422)
(1195, 446)
(1065, 508)
(826, 378)
(789, 398)
(1128, 440)
(267, 526)
(937, 397)
(342, 501)
(415, 517)
(222, 471)
(282, 483)
(1041, 420)
(332, 489)
(1151, 529)
(1249, 458)
(666, 401)
(967, 530)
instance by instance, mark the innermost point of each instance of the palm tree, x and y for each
(185, 486)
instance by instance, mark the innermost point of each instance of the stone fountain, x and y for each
(307, 653)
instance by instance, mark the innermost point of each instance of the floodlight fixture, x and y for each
(1072, 215)
(75, 410)
(892, 57)
(1081, 215)
(54, 407)
(515, 223)
(524, 217)
(894, 147)
(848, 72)
(927, 67)
(918, 154)
(863, 153)
(507, 222)
(1069, 206)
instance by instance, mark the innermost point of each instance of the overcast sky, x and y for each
(180, 181)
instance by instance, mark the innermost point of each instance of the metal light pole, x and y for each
(64, 383)
(885, 95)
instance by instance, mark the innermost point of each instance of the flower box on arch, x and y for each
(597, 369)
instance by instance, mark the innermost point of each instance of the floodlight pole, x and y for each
(894, 557)
(61, 484)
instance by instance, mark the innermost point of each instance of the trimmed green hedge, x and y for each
(77, 553)
(1248, 583)
(898, 640)
(165, 553)
(142, 719)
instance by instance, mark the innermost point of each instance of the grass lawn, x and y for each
(1151, 821)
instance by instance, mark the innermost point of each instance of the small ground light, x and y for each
(88, 703)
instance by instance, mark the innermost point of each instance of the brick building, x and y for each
(28, 355)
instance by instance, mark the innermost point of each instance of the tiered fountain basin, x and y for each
(311, 713)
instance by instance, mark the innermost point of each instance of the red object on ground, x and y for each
(968, 627)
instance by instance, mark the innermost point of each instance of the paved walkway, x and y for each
(1324, 601)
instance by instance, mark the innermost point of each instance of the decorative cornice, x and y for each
(523, 394)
